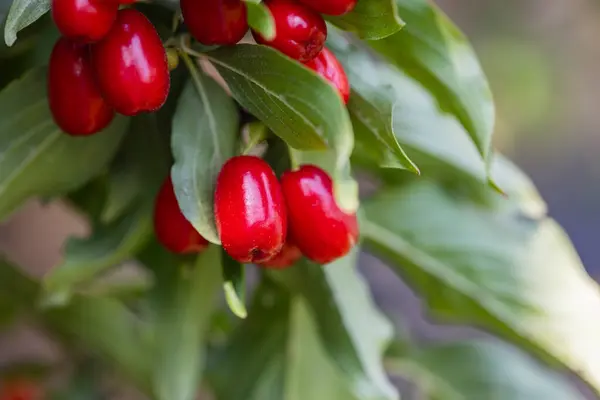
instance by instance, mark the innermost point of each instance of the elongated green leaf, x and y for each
(108, 329)
(276, 354)
(36, 158)
(310, 373)
(22, 14)
(387, 100)
(234, 285)
(519, 278)
(353, 331)
(205, 134)
(293, 101)
(371, 103)
(183, 322)
(432, 49)
(107, 247)
(260, 19)
(371, 20)
(488, 370)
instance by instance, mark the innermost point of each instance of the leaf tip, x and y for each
(236, 305)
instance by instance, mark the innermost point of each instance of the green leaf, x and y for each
(516, 277)
(293, 101)
(108, 246)
(22, 14)
(488, 370)
(205, 134)
(371, 20)
(521, 191)
(234, 285)
(310, 373)
(261, 20)
(433, 50)
(371, 104)
(435, 140)
(255, 352)
(276, 354)
(352, 329)
(109, 330)
(183, 323)
(139, 168)
(36, 158)
(17, 292)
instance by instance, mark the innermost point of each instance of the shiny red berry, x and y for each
(321, 230)
(300, 32)
(250, 210)
(73, 96)
(328, 66)
(331, 7)
(215, 22)
(287, 256)
(171, 227)
(131, 65)
(84, 20)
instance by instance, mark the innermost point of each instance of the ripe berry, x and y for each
(328, 66)
(215, 22)
(250, 210)
(131, 65)
(331, 7)
(20, 390)
(321, 230)
(73, 96)
(287, 256)
(300, 32)
(84, 20)
(172, 229)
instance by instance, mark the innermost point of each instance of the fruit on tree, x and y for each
(250, 210)
(215, 22)
(328, 66)
(73, 96)
(84, 20)
(300, 31)
(322, 231)
(287, 256)
(171, 227)
(331, 7)
(131, 65)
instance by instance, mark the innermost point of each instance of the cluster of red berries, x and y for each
(263, 220)
(108, 61)
(300, 30)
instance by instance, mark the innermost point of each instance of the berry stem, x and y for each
(183, 46)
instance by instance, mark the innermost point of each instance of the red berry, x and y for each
(300, 32)
(321, 230)
(131, 65)
(20, 390)
(250, 210)
(172, 229)
(331, 7)
(84, 20)
(215, 22)
(287, 256)
(75, 101)
(328, 66)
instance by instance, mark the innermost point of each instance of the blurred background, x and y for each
(542, 58)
